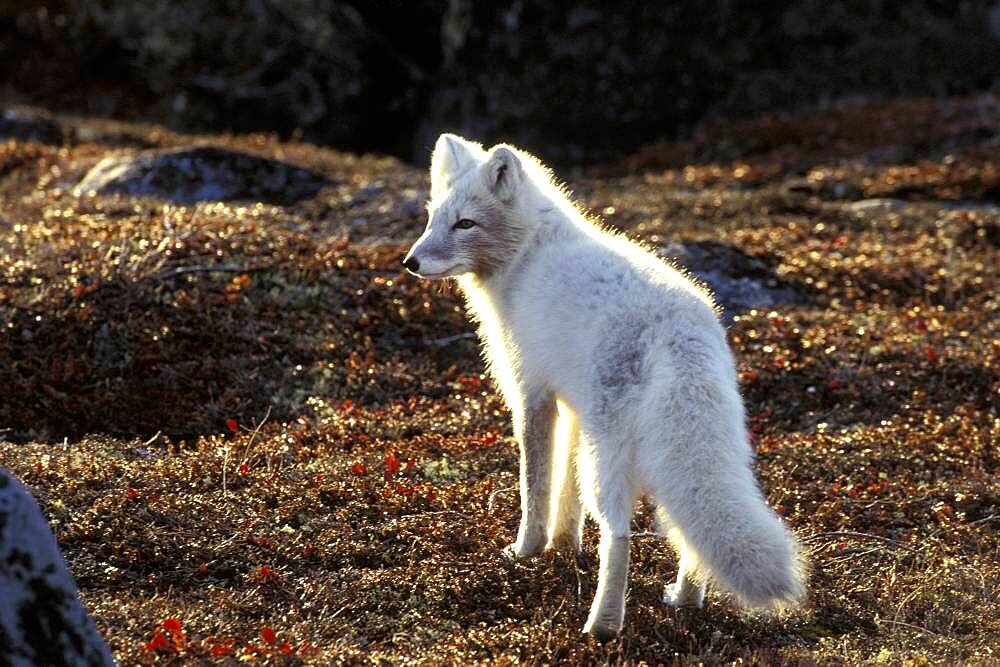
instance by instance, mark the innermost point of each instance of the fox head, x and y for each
(474, 223)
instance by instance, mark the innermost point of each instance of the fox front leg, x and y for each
(533, 427)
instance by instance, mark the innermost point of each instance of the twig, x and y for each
(337, 613)
(211, 268)
(647, 533)
(448, 340)
(851, 533)
(992, 517)
(225, 467)
(253, 434)
(579, 583)
(911, 626)
(436, 513)
(493, 497)
(123, 257)
(985, 519)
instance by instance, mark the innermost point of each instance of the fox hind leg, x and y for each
(688, 590)
(684, 592)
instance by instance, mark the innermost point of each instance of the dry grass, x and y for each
(359, 506)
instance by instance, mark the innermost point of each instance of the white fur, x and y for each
(648, 402)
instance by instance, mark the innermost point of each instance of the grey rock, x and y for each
(739, 282)
(25, 124)
(42, 620)
(827, 190)
(986, 208)
(202, 173)
(878, 204)
(412, 204)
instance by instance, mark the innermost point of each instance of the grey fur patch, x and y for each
(622, 366)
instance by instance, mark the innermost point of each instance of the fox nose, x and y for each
(412, 263)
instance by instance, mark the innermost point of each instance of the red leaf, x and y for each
(132, 493)
(222, 649)
(172, 625)
(490, 437)
(347, 405)
(932, 355)
(286, 648)
(750, 376)
(232, 425)
(833, 384)
(268, 635)
(243, 468)
(392, 463)
(471, 383)
(359, 469)
(158, 642)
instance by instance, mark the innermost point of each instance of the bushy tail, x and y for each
(726, 532)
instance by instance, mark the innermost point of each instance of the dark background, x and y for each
(579, 82)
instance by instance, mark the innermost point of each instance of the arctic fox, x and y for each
(618, 377)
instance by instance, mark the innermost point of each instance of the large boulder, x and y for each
(26, 124)
(42, 621)
(201, 173)
(738, 281)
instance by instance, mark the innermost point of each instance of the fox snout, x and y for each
(411, 264)
(432, 257)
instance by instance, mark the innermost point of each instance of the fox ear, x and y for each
(503, 173)
(452, 156)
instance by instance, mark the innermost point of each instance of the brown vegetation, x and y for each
(295, 457)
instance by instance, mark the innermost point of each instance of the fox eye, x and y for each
(464, 223)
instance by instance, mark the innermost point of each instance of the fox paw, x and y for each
(602, 632)
(684, 595)
(520, 550)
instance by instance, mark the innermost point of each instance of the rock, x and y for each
(738, 281)
(42, 620)
(877, 204)
(202, 173)
(412, 204)
(25, 124)
(825, 189)
(986, 208)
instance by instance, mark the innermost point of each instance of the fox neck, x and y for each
(554, 220)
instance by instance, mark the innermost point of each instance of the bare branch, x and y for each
(850, 533)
